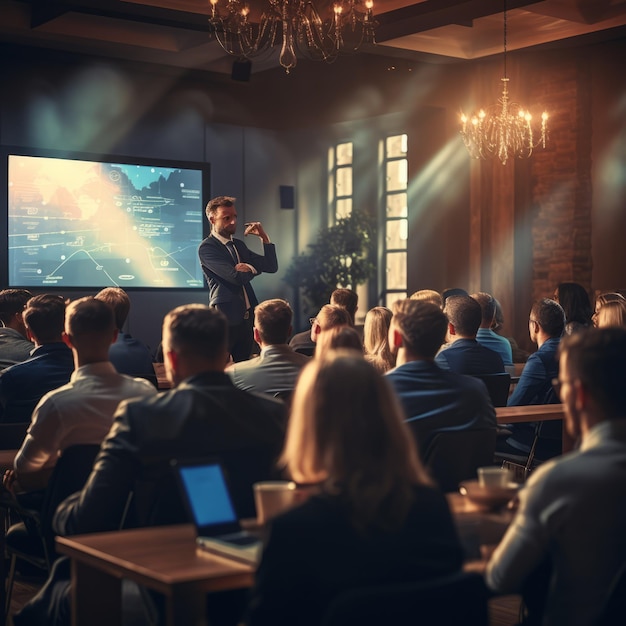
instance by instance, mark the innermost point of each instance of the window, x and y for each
(340, 181)
(396, 225)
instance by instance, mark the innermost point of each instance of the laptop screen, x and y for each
(208, 499)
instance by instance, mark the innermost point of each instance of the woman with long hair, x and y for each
(602, 299)
(575, 301)
(376, 338)
(612, 313)
(376, 519)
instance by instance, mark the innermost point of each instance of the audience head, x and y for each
(12, 303)
(347, 430)
(591, 374)
(44, 317)
(547, 318)
(329, 316)
(119, 301)
(376, 337)
(452, 291)
(611, 314)
(89, 330)
(429, 295)
(487, 307)
(417, 328)
(195, 340)
(498, 317)
(348, 299)
(574, 301)
(464, 315)
(272, 322)
(603, 298)
(345, 337)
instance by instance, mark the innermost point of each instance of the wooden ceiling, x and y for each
(175, 32)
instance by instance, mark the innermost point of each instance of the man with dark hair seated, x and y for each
(50, 365)
(464, 355)
(277, 368)
(567, 542)
(129, 355)
(14, 346)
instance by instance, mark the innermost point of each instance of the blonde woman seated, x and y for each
(376, 339)
(612, 313)
(377, 519)
(338, 337)
(602, 299)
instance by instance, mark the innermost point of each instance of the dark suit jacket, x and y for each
(206, 415)
(313, 553)
(226, 285)
(435, 400)
(132, 357)
(467, 356)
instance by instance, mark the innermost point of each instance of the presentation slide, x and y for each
(90, 224)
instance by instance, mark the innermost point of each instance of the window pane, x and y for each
(344, 208)
(397, 176)
(397, 146)
(344, 154)
(396, 205)
(396, 270)
(344, 181)
(393, 297)
(396, 234)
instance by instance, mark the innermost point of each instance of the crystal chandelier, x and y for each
(294, 25)
(504, 129)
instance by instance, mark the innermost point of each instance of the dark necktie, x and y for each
(233, 252)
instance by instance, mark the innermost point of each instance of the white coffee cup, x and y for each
(273, 497)
(493, 476)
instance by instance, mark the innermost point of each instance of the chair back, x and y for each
(12, 435)
(457, 599)
(498, 386)
(454, 456)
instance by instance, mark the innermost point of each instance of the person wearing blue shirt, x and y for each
(487, 337)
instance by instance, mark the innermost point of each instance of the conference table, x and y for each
(166, 559)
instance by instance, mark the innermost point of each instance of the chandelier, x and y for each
(504, 129)
(296, 26)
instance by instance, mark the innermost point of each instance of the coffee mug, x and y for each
(493, 476)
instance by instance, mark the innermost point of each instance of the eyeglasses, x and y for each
(312, 320)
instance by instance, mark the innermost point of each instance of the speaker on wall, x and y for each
(241, 70)
(287, 197)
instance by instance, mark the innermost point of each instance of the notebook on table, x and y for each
(206, 495)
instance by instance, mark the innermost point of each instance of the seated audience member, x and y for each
(519, 355)
(14, 346)
(451, 291)
(602, 299)
(129, 356)
(611, 314)
(277, 368)
(50, 365)
(376, 518)
(464, 355)
(430, 295)
(575, 302)
(80, 412)
(487, 337)
(304, 342)
(566, 543)
(329, 316)
(203, 415)
(376, 339)
(546, 326)
(434, 400)
(345, 337)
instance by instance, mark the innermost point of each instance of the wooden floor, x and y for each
(503, 611)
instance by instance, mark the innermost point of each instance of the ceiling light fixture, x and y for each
(504, 129)
(294, 25)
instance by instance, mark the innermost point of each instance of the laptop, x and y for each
(206, 495)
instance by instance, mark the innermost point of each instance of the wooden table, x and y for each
(7, 457)
(163, 558)
(535, 413)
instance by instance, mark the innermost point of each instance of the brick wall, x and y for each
(561, 178)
